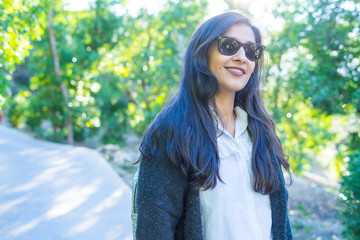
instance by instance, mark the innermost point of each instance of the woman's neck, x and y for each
(225, 104)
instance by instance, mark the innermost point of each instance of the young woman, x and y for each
(210, 165)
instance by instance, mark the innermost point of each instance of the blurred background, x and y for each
(96, 72)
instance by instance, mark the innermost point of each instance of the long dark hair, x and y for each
(189, 126)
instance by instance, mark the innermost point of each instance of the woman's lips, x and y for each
(236, 71)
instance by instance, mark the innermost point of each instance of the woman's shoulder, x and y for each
(159, 147)
(162, 124)
(158, 134)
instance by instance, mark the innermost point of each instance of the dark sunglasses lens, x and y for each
(253, 51)
(228, 46)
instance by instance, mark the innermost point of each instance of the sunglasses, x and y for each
(229, 46)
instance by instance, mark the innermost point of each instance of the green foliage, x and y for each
(350, 188)
(149, 61)
(17, 109)
(112, 101)
(314, 73)
(46, 105)
(315, 58)
(77, 52)
(20, 21)
(304, 132)
(2, 102)
(322, 40)
(119, 70)
(303, 129)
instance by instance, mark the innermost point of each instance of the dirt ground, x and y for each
(313, 197)
(312, 207)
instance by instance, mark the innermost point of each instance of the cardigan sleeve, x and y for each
(160, 196)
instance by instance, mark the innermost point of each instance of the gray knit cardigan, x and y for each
(167, 208)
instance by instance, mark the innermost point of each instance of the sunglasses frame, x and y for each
(240, 44)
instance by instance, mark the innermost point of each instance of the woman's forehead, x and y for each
(242, 32)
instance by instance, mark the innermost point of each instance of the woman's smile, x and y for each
(237, 71)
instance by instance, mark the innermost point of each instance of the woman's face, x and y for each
(233, 72)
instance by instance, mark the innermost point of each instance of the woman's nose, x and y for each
(240, 55)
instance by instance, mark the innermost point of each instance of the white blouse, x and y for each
(233, 210)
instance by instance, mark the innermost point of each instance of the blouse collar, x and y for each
(241, 120)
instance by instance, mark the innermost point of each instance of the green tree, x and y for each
(350, 186)
(324, 41)
(152, 69)
(80, 42)
(119, 70)
(20, 22)
(314, 61)
(144, 67)
(64, 91)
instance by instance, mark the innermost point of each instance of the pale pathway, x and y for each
(54, 191)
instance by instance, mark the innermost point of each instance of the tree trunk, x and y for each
(64, 91)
